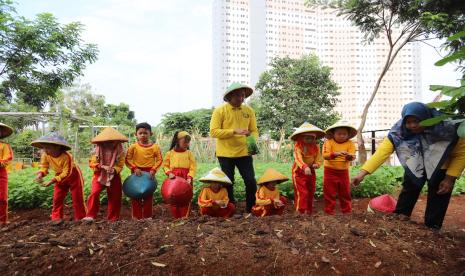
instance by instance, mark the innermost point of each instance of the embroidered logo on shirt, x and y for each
(245, 115)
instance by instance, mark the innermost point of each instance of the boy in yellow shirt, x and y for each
(213, 200)
(338, 152)
(143, 156)
(68, 176)
(6, 155)
(268, 199)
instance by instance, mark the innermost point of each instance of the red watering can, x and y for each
(176, 191)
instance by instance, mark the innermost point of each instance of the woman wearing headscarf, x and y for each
(433, 155)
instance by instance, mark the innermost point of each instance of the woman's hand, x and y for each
(358, 178)
(447, 185)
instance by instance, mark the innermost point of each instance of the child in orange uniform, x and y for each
(143, 156)
(107, 161)
(68, 176)
(338, 152)
(307, 158)
(180, 161)
(6, 155)
(213, 200)
(268, 199)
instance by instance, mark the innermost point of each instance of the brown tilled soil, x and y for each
(293, 244)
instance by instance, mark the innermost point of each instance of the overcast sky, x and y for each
(155, 55)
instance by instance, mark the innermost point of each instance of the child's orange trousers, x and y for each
(304, 189)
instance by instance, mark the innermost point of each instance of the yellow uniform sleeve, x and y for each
(94, 163)
(327, 150)
(457, 159)
(216, 128)
(298, 157)
(44, 164)
(224, 196)
(193, 165)
(167, 162)
(119, 165)
(204, 200)
(7, 155)
(130, 158)
(261, 198)
(385, 149)
(158, 159)
(66, 168)
(253, 125)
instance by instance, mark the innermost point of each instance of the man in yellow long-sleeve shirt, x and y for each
(434, 154)
(230, 124)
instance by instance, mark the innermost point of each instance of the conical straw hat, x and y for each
(235, 86)
(5, 130)
(52, 138)
(308, 128)
(109, 134)
(272, 175)
(341, 123)
(216, 175)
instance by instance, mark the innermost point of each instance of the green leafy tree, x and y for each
(454, 107)
(294, 91)
(195, 121)
(39, 56)
(399, 23)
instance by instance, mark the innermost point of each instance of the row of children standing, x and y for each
(109, 158)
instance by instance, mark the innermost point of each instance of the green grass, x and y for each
(25, 193)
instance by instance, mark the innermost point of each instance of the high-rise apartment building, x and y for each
(248, 34)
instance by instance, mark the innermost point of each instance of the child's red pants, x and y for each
(114, 194)
(3, 195)
(269, 210)
(75, 184)
(336, 183)
(304, 189)
(142, 208)
(216, 211)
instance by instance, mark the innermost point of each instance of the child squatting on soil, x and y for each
(68, 176)
(338, 152)
(307, 158)
(213, 200)
(6, 155)
(180, 161)
(143, 156)
(268, 198)
(107, 161)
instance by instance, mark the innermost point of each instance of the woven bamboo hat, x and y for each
(342, 123)
(310, 129)
(53, 138)
(216, 175)
(272, 175)
(109, 134)
(235, 86)
(5, 130)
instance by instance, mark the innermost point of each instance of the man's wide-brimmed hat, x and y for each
(236, 86)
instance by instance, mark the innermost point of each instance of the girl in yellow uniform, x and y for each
(268, 199)
(213, 200)
(180, 162)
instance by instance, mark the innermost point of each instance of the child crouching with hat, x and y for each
(268, 199)
(213, 199)
(307, 158)
(68, 176)
(107, 162)
(338, 152)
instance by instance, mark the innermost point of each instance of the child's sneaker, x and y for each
(88, 219)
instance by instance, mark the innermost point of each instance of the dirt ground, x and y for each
(363, 244)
